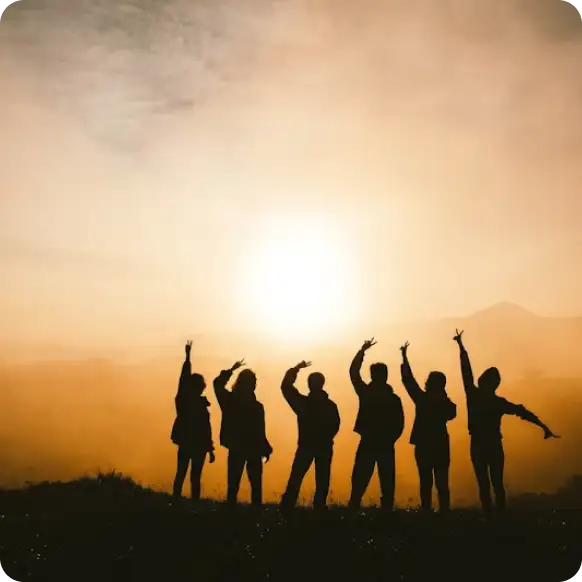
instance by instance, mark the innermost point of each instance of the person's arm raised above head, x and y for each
(466, 369)
(290, 392)
(221, 381)
(412, 387)
(356, 366)
(185, 374)
(522, 412)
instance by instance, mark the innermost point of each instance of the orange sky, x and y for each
(145, 150)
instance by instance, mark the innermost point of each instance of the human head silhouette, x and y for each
(315, 382)
(198, 384)
(379, 373)
(435, 384)
(246, 383)
(489, 381)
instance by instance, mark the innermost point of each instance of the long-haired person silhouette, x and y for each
(242, 432)
(191, 430)
(379, 423)
(318, 422)
(486, 410)
(429, 435)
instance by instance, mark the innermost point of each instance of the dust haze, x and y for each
(143, 144)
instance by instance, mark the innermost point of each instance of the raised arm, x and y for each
(290, 392)
(466, 369)
(412, 387)
(184, 376)
(522, 412)
(220, 382)
(356, 367)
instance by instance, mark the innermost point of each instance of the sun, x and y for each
(300, 281)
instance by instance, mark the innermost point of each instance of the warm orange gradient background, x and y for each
(148, 148)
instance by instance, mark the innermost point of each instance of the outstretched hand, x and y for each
(459, 336)
(368, 344)
(302, 365)
(188, 347)
(238, 365)
(548, 434)
(404, 348)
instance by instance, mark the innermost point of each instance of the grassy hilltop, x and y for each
(109, 528)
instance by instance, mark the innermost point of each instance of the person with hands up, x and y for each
(380, 423)
(430, 436)
(486, 410)
(242, 431)
(191, 431)
(318, 423)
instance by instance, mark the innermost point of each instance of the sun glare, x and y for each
(300, 281)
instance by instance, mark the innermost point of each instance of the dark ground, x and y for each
(111, 529)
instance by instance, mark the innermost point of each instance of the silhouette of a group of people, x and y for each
(380, 423)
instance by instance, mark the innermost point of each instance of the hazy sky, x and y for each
(154, 153)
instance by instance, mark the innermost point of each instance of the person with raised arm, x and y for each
(191, 431)
(242, 432)
(318, 423)
(430, 436)
(485, 410)
(380, 423)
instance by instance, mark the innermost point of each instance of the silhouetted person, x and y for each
(486, 410)
(429, 435)
(191, 430)
(318, 422)
(380, 423)
(242, 432)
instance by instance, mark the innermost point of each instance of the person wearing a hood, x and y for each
(318, 422)
(486, 410)
(191, 431)
(380, 423)
(429, 435)
(242, 432)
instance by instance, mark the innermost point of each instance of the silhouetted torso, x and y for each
(192, 425)
(485, 413)
(317, 417)
(380, 415)
(243, 420)
(432, 416)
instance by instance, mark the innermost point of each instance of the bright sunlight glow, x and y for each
(300, 280)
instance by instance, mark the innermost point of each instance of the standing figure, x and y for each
(191, 430)
(379, 423)
(429, 435)
(242, 432)
(318, 422)
(486, 410)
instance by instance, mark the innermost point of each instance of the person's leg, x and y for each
(423, 462)
(236, 463)
(198, 458)
(480, 465)
(301, 463)
(442, 463)
(496, 467)
(323, 460)
(255, 475)
(181, 470)
(387, 473)
(362, 473)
